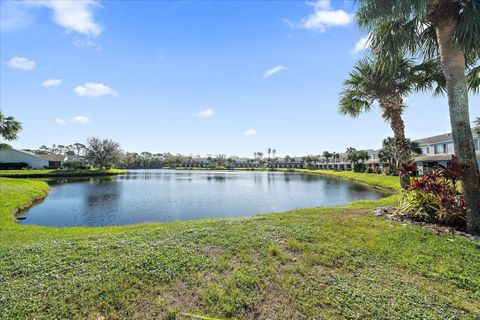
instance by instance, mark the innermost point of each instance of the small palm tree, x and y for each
(371, 82)
(9, 127)
(388, 153)
(327, 155)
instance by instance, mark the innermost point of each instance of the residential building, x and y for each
(438, 150)
(33, 160)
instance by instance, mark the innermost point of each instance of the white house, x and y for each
(438, 150)
(34, 161)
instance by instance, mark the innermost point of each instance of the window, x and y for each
(428, 150)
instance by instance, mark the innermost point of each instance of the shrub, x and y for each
(387, 171)
(420, 205)
(434, 196)
(378, 170)
(13, 166)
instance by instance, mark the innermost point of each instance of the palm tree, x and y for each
(371, 82)
(327, 155)
(388, 153)
(352, 155)
(335, 156)
(447, 29)
(9, 127)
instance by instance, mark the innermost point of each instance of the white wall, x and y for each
(12, 155)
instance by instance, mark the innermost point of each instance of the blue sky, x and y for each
(194, 77)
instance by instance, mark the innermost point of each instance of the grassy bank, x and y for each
(324, 263)
(46, 173)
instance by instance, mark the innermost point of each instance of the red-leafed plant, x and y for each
(435, 196)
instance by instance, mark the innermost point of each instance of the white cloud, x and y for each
(92, 90)
(323, 17)
(80, 120)
(250, 132)
(60, 121)
(206, 113)
(74, 16)
(274, 70)
(50, 83)
(361, 45)
(21, 63)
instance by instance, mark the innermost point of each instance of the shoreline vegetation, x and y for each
(48, 173)
(338, 262)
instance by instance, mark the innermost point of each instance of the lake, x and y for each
(168, 195)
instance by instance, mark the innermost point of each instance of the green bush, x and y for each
(419, 204)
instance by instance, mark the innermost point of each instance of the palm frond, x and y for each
(473, 79)
(468, 27)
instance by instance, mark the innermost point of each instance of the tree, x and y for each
(9, 127)
(371, 82)
(5, 146)
(388, 153)
(447, 29)
(102, 152)
(220, 160)
(363, 156)
(352, 155)
(327, 155)
(335, 157)
(79, 148)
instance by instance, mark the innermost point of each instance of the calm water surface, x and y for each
(169, 195)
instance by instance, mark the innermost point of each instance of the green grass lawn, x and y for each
(322, 263)
(45, 173)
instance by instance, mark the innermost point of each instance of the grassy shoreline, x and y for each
(326, 262)
(48, 173)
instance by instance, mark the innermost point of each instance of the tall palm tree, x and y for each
(447, 29)
(9, 127)
(371, 82)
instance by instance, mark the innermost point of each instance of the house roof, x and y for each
(439, 138)
(435, 139)
(51, 157)
(29, 153)
(434, 157)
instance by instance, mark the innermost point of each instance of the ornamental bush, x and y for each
(435, 196)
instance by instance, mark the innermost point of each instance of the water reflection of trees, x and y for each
(101, 202)
(217, 178)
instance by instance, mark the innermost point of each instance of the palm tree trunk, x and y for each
(453, 66)
(392, 111)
